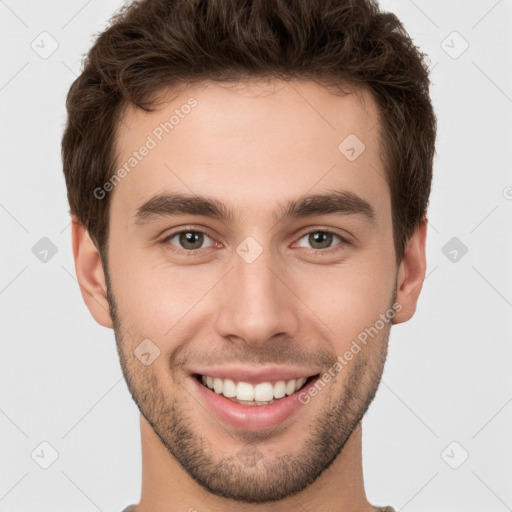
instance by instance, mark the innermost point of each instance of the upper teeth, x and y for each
(262, 392)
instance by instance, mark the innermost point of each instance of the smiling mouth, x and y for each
(263, 393)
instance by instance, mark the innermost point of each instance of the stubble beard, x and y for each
(246, 476)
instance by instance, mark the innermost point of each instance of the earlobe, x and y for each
(411, 274)
(89, 272)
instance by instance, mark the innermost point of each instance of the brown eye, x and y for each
(320, 239)
(188, 240)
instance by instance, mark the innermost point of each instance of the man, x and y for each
(248, 183)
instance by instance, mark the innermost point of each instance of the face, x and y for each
(251, 251)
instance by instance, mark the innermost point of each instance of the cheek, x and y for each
(158, 301)
(349, 299)
(154, 298)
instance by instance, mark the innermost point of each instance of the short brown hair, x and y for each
(154, 45)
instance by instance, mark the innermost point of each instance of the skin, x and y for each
(253, 147)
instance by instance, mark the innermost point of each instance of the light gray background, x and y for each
(447, 377)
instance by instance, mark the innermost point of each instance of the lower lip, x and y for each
(252, 417)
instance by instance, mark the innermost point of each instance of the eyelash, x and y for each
(193, 252)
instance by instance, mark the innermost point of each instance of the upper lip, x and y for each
(254, 375)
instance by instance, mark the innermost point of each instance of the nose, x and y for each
(256, 301)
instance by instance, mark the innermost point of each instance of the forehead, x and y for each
(251, 143)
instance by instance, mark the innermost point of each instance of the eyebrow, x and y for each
(342, 202)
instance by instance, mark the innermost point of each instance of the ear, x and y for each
(89, 271)
(411, 274)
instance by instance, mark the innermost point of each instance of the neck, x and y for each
(167, 487)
